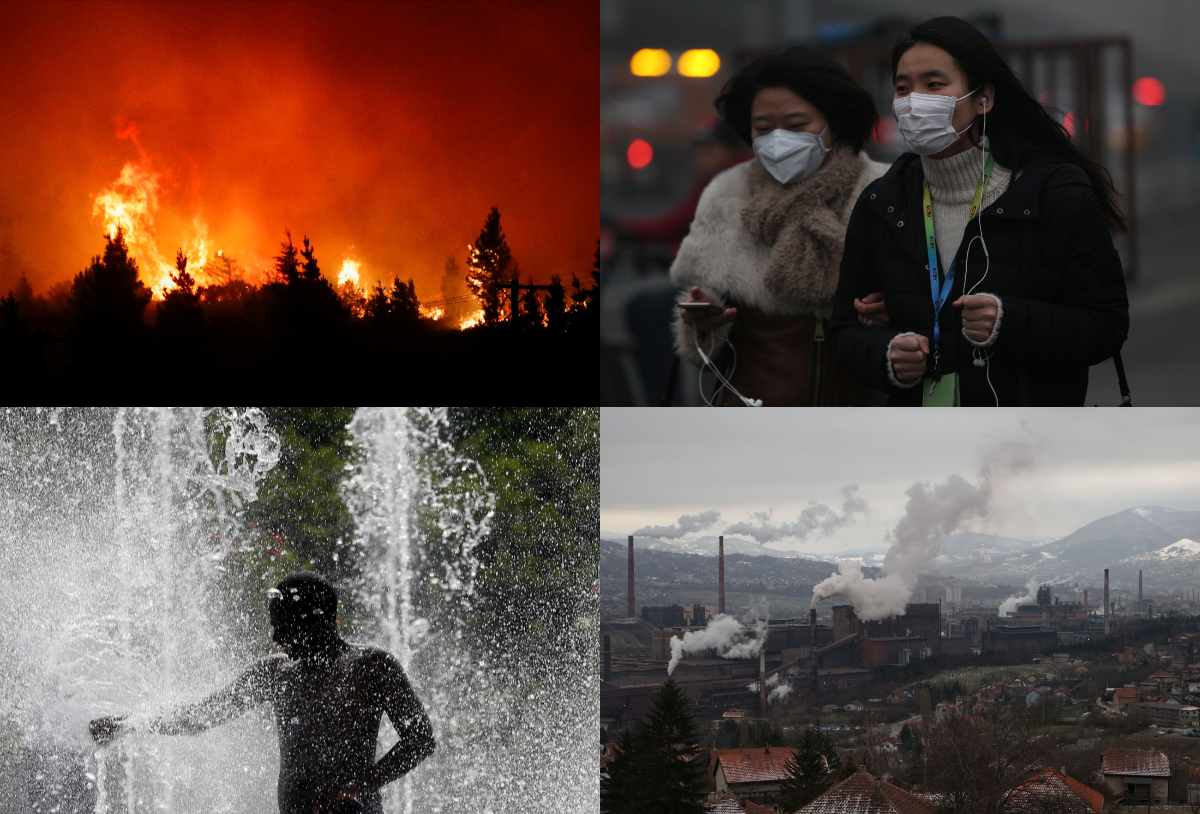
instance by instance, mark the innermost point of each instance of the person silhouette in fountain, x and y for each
(328, 696)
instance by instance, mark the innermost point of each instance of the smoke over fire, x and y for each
(931, 512)
(357, 124)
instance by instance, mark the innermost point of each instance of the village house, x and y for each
(724, 802)
(1050, 790)
(1136, 774)
(861, 792)
(751, 773)
(1124, 696)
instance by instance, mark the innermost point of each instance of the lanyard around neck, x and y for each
(939, 296)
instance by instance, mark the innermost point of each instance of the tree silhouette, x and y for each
(107, 302)
(312, 272)
(807, 770)
(619, 792)
(405, 307)
(674, 781)
(180, 321)
(488, 267)
(286, 263)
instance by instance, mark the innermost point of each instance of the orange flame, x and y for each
(432, 312)
(471, 320)
(349, 273)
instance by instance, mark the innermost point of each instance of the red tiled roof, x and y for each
(857, 794)
(1125, 692)
(1143, 763)
(724, 802)
(751, 765)
(1052, 783)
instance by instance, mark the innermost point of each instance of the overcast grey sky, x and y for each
(1087, 463)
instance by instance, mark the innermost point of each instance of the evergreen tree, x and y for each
(674, 784)
(775, 736)
(619, 793)
(107, 302)
(180, 323)
(849, 767)
(488, 267)
(287, 265)
(807, 770)
(556, 306)
(379, 304)
(312, 271)
(404, 305)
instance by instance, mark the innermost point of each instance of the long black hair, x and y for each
(1020, 131)
(816, 77)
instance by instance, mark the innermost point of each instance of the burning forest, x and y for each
(286, 201)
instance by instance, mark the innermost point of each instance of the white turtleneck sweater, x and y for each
(952, 183)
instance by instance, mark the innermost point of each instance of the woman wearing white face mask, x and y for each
(765, 246)
(990, 240)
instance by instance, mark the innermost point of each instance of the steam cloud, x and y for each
(816, 517)
(685, 525)
(931, 512)
(1010, 605)
(729, 637)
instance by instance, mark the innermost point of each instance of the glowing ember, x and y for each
(471, 320)
(349, 273)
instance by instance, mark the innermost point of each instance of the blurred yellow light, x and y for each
(699, 62)
(650, 62)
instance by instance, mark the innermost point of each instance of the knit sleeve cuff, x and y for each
(991, 340)
(891, 371)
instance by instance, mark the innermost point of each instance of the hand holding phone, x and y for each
(700, 310)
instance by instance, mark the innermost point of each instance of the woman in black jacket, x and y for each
(997, 224)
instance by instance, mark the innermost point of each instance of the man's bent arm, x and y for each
(247, 690)
(410, 721)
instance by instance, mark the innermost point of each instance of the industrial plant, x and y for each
(755, 662)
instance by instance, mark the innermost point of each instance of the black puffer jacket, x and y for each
(1052, 264)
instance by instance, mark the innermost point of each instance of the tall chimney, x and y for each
(1141, 607)
(1085, 605)
(632, 610)
(608, 658)
(721, 574)
(762, 681)
(1106, 605)
(812, 648)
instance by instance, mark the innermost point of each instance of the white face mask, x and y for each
(790, 156)
(926, 121)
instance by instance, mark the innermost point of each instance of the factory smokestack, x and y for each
(608, 658)
(721, 574)
(812, 647)
(1141, 607)
(1106, 605)
(632, 611)
(762, 681)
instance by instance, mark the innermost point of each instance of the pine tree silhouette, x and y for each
(312, 272)
(556, 306)
(180, 325)
(531, 308)
(674, 780)
(286, 263)
(107, 302)
(488, 267)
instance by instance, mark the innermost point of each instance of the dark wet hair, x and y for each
(1020, 131)
(303, 597)
(816, 77)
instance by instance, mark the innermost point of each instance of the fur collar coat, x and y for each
(776, 248)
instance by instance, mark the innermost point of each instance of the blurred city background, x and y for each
(1120, 75)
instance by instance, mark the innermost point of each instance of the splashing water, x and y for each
(116, 529)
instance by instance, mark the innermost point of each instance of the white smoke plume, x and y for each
(1010, 605)
(816, 517)
(686, 524)
(779, 693)
(729, 637)
(931, 512)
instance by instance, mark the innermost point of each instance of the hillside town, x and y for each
(1056, 706)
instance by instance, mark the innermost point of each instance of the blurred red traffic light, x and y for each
(1149, 91)
(640, 153)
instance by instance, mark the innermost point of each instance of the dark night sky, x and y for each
(390, 127)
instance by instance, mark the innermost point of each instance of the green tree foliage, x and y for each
(300, 499)
(620, 791)
(107, 302)
(673, 780)
(488, 267)
(544, 466)
(807, 770)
